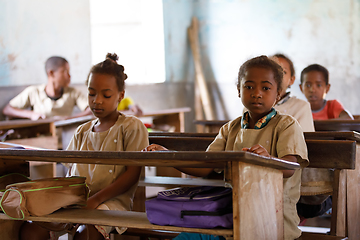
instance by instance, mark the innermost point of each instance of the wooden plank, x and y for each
(115, 218)
(332, 135)
(183, 143)
(258, 202)
(338, 154)
(176, 182)
(353, 202)
(337, 125)
(165, 158)
(338, 220)
(46, 142)
(193, 34)
(319, 236)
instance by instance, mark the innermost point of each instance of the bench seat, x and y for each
(129, 219)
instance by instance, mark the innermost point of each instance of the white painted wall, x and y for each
(232, 31)
(32, 31)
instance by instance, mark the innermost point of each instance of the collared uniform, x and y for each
(35, 97)
(281, 136)
(127, 134)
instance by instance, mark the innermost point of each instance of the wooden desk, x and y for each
(211, 126)
(337, 125)
(335, 150)
(40, 133)
(256, 181)
(172, 117)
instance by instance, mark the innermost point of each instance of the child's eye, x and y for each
(91, 94)
(307, 85)
(319, 85)
(247, 87)
(107, 96)
(266, 88)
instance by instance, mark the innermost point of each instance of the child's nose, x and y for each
(97, 99)
(257, 93)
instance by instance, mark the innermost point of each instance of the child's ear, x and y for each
(327, 88)
(121, 96)
(300, 85)
(292, 80)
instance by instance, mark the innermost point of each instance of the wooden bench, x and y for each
(326, 150)
(245, 173)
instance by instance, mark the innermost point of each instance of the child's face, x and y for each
(315, 89)
(258, 91)
(288, 80)
(103, 95)
(62, 76)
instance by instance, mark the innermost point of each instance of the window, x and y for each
(133, 29)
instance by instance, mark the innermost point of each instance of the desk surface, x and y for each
(166, 158)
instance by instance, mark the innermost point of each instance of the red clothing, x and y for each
(332, 109)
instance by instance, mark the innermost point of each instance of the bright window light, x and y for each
(133, 29)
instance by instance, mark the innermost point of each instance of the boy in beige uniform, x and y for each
(35, 97)
(54, 99)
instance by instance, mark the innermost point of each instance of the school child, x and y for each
(54, 99)
(127, 106)
(264, 131)
(315, 85)
(112, 187)
(292, 105)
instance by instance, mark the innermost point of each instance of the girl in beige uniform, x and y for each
(264, 131)
(112, 187)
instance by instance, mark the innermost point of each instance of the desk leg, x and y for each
(10, 229)
(257, 202)
(353, 198)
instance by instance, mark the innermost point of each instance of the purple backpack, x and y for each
(194, 207)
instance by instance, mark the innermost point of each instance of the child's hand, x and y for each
(154, 147)
(258, 149)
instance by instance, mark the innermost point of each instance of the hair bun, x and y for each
(112, 56)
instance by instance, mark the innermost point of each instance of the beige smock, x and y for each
(280, 137)
(314, 181)
(127, 134)
(35, 97)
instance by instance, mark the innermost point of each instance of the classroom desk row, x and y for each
(255, 180)
(211, 126)
(244, 172)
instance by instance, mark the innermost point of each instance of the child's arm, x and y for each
(198, 172)
(260, 150)
(121, 185)
(22, 113)
(346, 115)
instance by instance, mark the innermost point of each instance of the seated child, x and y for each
(263, 130)
(112, 187)
(313, 204)
(127, 106)
(292, 105)
(54, 99)
(315, 85)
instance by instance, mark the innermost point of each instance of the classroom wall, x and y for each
(32, 31)
(231, 31)
(309, 31)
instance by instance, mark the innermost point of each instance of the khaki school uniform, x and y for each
(314, 181)
(127, 134)
(35, 97)
(280, 137)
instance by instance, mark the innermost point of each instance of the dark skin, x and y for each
(315, 89)
(104, 98)
(259, 93)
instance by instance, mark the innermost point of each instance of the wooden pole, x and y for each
(193, 32)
